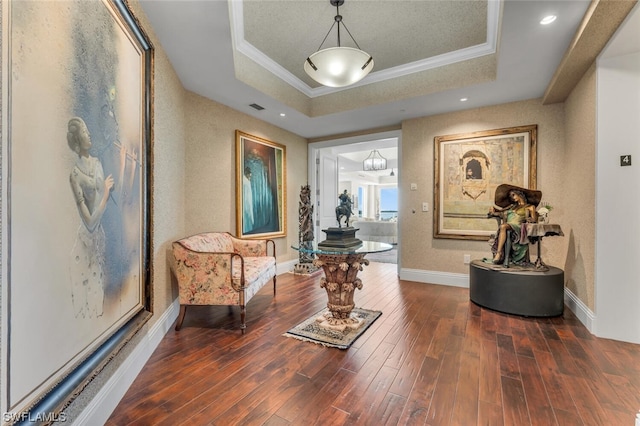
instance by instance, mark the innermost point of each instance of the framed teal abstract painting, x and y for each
(260, 187)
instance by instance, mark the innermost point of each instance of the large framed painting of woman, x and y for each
(76, 234)
(260, 187)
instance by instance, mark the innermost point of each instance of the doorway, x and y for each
(336, 165)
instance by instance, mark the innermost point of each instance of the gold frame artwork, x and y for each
(467, 169)
(261, 201)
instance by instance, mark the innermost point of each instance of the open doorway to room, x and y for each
(338, 166)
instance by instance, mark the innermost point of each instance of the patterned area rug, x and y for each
(310, 331)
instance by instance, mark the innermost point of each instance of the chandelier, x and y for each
(338, 66)
(375, 161)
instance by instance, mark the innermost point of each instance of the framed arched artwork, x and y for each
(467, 169)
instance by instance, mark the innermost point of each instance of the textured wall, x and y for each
(169, 177)
(211, 166)
(579, 194)
(419, 249)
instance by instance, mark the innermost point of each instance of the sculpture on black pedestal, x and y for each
(509, 282)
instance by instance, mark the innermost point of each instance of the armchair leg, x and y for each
(243, 325)
(274, 286)
(183, 310)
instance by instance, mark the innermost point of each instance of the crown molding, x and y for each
(240, 45)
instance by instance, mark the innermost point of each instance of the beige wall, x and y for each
(419, 249)
(579, 188)
(169, 179)
(210, 195)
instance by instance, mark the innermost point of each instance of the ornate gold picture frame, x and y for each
(260, 187)
(468, 168)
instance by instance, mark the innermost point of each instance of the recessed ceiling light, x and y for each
(548, 19)
(464, 99)
(282, 114)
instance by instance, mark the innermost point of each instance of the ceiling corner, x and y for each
(600, 22)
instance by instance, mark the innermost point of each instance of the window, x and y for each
(388, 203)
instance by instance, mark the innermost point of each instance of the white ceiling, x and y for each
(239, 53)
(352, 156)
(350, 166)
(289, 31)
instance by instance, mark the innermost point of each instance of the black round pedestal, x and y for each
(526, 293)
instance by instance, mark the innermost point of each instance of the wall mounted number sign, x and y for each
(625, 160)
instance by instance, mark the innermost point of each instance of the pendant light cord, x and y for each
(338, 19)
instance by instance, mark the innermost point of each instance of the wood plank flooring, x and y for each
(432, 358)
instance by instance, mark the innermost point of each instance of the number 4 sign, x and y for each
(625, 160)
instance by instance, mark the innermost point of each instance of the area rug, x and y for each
(310, 331)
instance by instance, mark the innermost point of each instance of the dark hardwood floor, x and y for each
(433, 357)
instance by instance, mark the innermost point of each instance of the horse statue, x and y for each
(344, 209)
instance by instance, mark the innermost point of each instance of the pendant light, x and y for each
(375, 161)
(338, 66)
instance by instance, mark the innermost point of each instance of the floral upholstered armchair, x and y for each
(215, 268)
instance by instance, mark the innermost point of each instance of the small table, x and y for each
(536, 231)
(341, 267)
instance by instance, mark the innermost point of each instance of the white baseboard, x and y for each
(581, 311)
(108, 398)
(435, 277)
(284, 267)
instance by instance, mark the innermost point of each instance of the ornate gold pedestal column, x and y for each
(340, 282)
